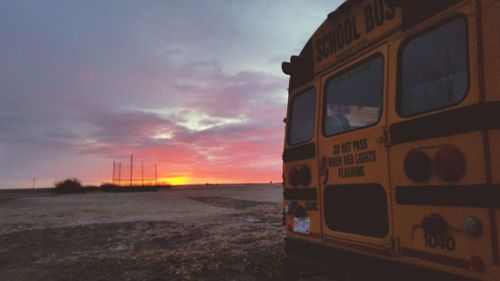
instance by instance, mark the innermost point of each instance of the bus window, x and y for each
(354, 98)
(434, 70)
(302, 117)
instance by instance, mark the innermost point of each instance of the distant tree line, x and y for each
(73, 185)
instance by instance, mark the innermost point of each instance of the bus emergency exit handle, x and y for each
(384, 138)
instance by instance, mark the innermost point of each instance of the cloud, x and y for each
(199, 153)
(194, 86)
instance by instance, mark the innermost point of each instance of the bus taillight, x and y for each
(449, 163)
(299, 175)
(477, 264)
(417, 166)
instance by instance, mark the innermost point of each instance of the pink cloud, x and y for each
(233, 152)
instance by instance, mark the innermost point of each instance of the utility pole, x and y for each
(131, 166)
(113, 178)
(120, 173)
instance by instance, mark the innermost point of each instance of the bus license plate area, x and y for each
(301, 225)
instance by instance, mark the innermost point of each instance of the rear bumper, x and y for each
(338, 262)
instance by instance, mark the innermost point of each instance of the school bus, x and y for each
(392, 146)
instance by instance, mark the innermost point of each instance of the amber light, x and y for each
(449, 163)
(417, 166)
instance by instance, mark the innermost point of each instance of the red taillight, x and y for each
(477, 264)
(449, 163)
(417, 166)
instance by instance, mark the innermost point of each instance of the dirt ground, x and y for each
(195, 233)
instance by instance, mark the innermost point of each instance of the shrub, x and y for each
(70, 185)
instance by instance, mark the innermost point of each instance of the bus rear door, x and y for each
(353, 157)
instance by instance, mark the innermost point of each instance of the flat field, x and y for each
(188, 233)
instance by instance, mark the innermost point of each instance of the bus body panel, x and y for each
(494, 140)
(303, 197)
(374, 158)
(452, 251)
(491, 45)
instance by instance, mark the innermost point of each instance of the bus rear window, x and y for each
(302, 117)
(354, 98)
(434, 70)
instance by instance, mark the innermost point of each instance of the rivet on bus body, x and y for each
(473, 226)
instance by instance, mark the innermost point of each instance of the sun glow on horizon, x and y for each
(179, 180)
(188, 180)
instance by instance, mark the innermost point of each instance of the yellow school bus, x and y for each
(392, 147)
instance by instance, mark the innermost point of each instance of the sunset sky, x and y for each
(194, 86)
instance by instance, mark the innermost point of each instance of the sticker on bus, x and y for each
(301, 225)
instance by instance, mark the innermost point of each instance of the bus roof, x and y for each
(353, 27)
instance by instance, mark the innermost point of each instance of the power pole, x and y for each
(120, 173)
(113, 178)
